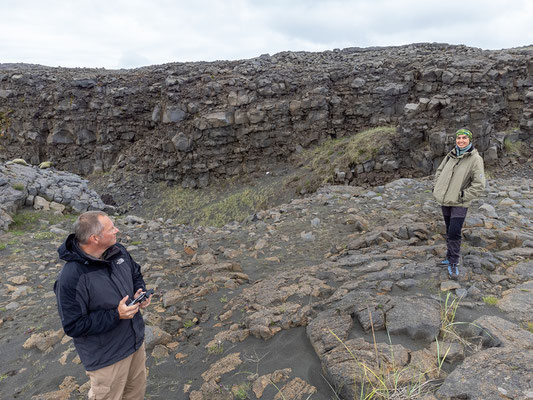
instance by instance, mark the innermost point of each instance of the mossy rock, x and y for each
(45, 164)
(20, 161)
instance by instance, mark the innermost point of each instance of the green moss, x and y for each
(28, 219)
(3, 246)
(44, 235)
(18, 186)
(490, 300)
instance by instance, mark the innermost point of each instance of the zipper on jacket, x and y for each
(451, 176)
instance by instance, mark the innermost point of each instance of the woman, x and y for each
(459, 179)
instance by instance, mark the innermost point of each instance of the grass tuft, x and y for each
(216, 348)
(188, 324)
(241, 391)
(513, 147)
(388, 381)
(447, 317)
(490, 300)
(341, 154)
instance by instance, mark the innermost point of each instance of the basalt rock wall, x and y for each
(195, 122)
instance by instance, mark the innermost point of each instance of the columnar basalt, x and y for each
(195, 122)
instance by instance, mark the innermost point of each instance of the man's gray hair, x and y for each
(88, 224)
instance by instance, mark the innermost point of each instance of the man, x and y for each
(93, 290)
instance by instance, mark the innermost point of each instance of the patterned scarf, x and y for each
(459, 152)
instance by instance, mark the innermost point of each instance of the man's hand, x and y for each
(126, 312)
(145, 303)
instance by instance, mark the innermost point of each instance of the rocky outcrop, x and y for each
(498, 372)
(281, 306)
(195, 122)
(43, 189)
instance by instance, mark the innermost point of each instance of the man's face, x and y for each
(108, 236)
(462, 141)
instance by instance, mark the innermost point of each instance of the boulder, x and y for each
(495, 331)
(44, 341)
(40, 203)
(354, 362)
(418, 318)
(518, 302)
(155, 336)
(492, 374)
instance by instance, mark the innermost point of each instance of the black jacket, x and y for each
(88, 291)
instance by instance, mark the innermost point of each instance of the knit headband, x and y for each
(464, 132)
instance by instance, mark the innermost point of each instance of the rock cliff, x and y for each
(195, 122)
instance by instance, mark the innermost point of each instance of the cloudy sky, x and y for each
(133, 33)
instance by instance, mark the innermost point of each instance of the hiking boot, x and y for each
(453, 271)
(444, 263)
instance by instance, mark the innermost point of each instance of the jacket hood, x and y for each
(71, 251)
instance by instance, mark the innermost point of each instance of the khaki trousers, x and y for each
(124, 380)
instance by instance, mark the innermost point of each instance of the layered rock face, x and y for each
(195, 122)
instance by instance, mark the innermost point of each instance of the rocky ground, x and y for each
(307, 300)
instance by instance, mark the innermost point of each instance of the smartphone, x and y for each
(142, 297)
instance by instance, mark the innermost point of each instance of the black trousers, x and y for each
(454, 217)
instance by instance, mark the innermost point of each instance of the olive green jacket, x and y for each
(459, 180)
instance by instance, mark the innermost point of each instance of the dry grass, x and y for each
(214, 205)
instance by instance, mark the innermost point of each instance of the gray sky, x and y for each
(134, 33)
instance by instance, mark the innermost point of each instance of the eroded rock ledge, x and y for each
(43, 189)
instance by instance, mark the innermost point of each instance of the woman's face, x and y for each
(462, 141)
